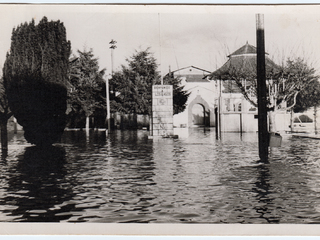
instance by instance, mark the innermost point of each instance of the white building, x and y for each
(201, 101)
(220, 100)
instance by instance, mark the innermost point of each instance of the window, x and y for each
(239, 107)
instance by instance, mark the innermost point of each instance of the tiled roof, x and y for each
(240, 62)
(246, 49)
(230, 86)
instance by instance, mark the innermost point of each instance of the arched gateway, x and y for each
(206, 111)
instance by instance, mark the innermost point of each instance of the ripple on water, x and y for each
(129, 179)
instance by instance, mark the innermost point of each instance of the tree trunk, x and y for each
(93, 124)
(15, 125)
(272, 121)
(151, 124)
(135, 121)
(87, 123)
(315, 120)
(4, 136)
(291, 121)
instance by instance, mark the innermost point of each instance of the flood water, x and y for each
(127, 178)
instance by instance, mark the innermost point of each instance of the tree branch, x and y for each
(294, 101)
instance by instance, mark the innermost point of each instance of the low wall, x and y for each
(129, 121)
(246, 122)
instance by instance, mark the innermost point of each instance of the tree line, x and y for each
(46, 87)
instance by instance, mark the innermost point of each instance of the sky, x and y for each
(178, 35)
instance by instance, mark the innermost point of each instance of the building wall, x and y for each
(250, 123)
(198, 90)
(237, 114)
(282, 119)
(243, 118)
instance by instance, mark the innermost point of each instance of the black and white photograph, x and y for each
(160, 115)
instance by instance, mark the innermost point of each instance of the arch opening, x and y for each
(198, 113)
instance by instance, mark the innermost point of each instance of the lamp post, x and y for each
(112, 47)
(108, 104)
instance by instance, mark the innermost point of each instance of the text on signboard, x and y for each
(162, 93)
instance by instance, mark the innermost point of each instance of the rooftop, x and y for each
(191, 76)
(241, 62)
(199, 69)
(246, 49)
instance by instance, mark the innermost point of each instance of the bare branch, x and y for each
(294, 101)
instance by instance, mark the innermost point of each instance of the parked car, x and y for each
(303, 123)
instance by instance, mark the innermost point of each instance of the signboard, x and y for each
(162, 110)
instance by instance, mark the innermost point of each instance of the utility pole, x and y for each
(219, 110)
(261, 90)
(112, 47)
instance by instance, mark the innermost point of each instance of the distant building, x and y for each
(201, 103)
(235, 112)
(214, 97)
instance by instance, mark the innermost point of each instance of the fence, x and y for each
(129, 121)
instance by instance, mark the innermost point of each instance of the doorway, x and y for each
(200, 117)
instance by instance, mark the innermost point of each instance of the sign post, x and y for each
(162, 110)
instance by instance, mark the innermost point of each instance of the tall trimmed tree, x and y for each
(35, 78)
(5, 114)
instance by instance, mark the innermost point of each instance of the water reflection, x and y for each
(263, 189)
(4, 154)
(125, 177)
(84, 140)
(131, 172)
(34, 187)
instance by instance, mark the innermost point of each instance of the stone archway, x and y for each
(198, 115)
(199, 100)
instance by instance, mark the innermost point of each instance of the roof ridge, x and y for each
(245, 49)
(189, 67)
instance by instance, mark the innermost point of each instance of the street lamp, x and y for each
(112, 47)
